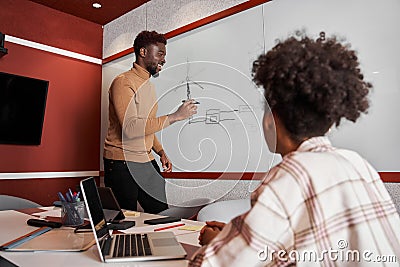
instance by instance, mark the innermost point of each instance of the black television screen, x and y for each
(22, 107)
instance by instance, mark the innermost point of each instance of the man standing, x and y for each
(129, 166)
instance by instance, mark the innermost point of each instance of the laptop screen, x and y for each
(146, 246)
(94, 207)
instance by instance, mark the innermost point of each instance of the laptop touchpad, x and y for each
(162, 242)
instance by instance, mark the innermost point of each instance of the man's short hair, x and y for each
(146, 38)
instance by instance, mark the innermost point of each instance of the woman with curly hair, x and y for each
(321, 206)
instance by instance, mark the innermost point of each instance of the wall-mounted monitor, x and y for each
(3, 50)
(22, 109)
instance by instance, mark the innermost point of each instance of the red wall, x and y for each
(70, 139)
(71, 130)
(41, 24)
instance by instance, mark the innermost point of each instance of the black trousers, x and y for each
(134, 182)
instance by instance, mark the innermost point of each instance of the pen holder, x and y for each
(72, 213)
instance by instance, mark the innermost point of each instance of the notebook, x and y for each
(126, 247)
(112, 210)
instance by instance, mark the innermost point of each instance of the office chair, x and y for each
(15, 203)
(187, 209)
(224, 211)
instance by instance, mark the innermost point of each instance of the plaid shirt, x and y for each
(321, 206)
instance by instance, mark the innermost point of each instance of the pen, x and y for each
(76, 197)
(69, 199)
(61, 197)
(70, 195)
(168, 227)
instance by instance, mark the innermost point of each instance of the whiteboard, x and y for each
(373, 29)
(216, 59)
(226, 133)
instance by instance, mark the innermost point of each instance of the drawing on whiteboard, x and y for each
(188, 81)
(228, 117)
(215, 115)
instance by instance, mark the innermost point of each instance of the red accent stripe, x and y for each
(118, 55)
(194, 25)
(215, 175)
(390, 177)
(387, 177)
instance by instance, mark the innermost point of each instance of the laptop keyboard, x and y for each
(131, 245)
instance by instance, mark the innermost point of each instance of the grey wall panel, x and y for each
(160, 15)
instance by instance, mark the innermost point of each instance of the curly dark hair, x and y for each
(312, 84)
(145, 38)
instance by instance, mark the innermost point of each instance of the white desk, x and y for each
(13, 224)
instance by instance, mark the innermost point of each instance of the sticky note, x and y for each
(132, 213)
(191, 227)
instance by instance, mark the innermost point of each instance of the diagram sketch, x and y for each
(225, 133)
(216, 116)
(188, 81)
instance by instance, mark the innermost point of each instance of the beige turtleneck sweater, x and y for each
(132, 118)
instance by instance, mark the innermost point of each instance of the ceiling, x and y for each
(110, 10)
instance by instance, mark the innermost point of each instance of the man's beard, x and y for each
(153, 71)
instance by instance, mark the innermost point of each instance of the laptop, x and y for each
(126, 247)
(112, 210)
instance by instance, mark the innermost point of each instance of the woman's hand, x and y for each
(209, 231)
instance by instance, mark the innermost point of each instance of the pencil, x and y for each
(168, 227)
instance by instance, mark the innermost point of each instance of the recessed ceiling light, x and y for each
(96, 5)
